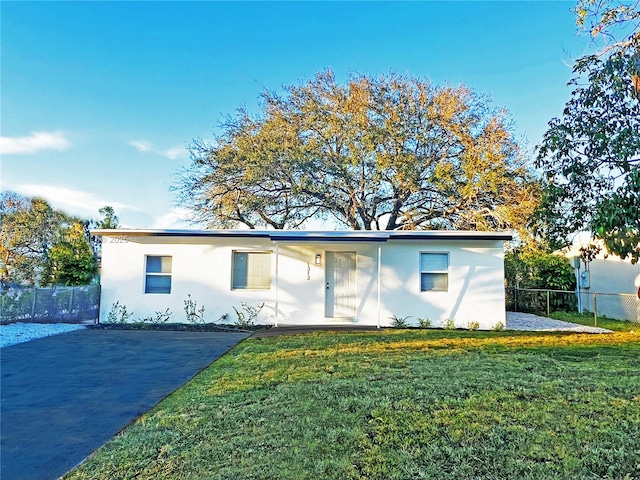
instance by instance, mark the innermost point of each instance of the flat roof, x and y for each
(315, 235)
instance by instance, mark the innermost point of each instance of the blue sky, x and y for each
(99, 99)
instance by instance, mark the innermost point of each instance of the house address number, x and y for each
(119, 239)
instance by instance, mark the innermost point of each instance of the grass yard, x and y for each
(603, 322)
(396, 404)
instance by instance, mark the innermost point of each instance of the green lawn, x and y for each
(396, 404)
(603, 322)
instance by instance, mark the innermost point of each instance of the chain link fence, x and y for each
(621, 306)
(613, 305)
(50, 305)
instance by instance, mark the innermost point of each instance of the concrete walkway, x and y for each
(65, 396)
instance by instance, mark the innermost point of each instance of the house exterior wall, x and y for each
(608, 272)
(476, 283)
(201, 268)
(614, 280)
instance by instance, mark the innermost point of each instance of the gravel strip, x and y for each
(15, 333)
(535, 323)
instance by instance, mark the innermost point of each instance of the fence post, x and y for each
(71, 303)
(548, 308)
(99, 301)
(595, 310)
(33, 305)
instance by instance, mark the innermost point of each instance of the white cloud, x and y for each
(175, 218)
(33, 143)
(171, 153)
(141, 145)
(75, 202)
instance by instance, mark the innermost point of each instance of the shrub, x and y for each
(498, 327)
(473, 326)
(424, 323)
(118, 313)
(538, 270)
(399, 322)
(449, 324)
(160, 317)
(194, 314)
(247, 315)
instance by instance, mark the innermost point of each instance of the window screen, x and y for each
(158, 274)
(434, 272)
(251, 270)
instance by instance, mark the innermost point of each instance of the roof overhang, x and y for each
(364, 236)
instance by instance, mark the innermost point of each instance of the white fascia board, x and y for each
(314, 235)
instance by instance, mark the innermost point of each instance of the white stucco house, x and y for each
(308, 277)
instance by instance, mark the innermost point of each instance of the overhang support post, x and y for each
(277, 282)
(379, 286)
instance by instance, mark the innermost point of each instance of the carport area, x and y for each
(66, 395)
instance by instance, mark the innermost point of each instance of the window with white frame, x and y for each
(434, 271)
(158, 274)
(251, 270)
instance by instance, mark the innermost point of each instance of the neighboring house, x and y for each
(615, 281)
(308, 277)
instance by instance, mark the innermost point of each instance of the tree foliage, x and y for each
(377, 153)
(71, 260)
(614, 24)
(42, 246)
(538, 269)
(29, 229)
(109, 218)
(591, 155)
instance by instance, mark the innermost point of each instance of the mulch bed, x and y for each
(178, 327)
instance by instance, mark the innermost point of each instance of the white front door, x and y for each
(340, 275)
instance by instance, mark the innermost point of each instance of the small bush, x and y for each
(473, 326)
(498, 327)
(194, 314)
(449, 324)
(247, 315)
(424, 323)
(118, 313)
(160, 317)
(399, 322)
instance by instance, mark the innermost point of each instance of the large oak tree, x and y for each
(388, 152)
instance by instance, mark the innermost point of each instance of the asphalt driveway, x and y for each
(65, 396)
